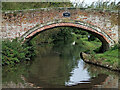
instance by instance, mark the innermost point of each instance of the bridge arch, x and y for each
(103, 37)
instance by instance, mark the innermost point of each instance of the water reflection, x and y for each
(78, 75)
(59, 66)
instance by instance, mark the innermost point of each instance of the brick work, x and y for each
(28, 22)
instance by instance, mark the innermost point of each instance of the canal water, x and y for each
(58, 66)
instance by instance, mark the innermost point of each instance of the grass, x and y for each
(32, 5)
(109, 57)
(91, 45)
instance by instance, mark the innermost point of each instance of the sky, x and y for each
(90, 1)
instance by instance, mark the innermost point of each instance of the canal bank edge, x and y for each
(86, 58)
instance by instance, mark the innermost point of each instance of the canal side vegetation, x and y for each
(14, 52)
(108, 59)
(74, 35)
(107, 5)
(92, 45)
(100, 4)
(32, 5)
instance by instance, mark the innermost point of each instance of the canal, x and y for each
(58, 66)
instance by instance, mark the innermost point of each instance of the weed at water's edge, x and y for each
(14, 52)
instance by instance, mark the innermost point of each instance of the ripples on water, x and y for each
(56, 67)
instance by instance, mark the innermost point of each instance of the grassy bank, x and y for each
(90, 45)
(108, 59)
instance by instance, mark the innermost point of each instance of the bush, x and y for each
(32, 5)
(14, 52)
(117, 46)
(92, 38)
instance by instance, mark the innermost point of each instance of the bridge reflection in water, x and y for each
(59, 66)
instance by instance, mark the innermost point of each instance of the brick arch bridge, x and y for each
(28, 23)
(105, 39)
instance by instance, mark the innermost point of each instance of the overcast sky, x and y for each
(90, 1)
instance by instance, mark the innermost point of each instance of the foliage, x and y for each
(64, 34)
(79, 31)
(100, 5)
(45, 37)
(116, 46)
(92, 38)
(32, 5)
(14, 52)
(105, 5)
(54, 34)
(67, 33)
(110, 57)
